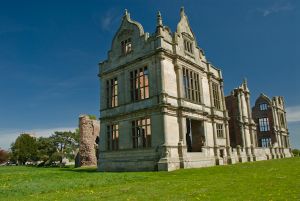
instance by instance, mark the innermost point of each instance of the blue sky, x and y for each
(49, 51)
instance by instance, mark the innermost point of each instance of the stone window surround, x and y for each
(264, 124)
(139, 84)
(112, 131)
(266, 142)
(141, 125)
(216, 95)
(285, 139)
(126, 46)
(281, 120)
(188, 46)
(263, 106)
(192, 86)
(220, 130)
(112, 92)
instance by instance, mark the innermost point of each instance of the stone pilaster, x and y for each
(181, 144)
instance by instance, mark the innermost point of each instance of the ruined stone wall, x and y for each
(89, 131)
(234, 126)
(268, 113)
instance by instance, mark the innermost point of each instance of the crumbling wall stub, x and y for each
(89, 131)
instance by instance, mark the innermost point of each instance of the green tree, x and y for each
(45, 149)
(77, 136)
(66, 143)
(24, 149)
(93, 117)
(296, 152)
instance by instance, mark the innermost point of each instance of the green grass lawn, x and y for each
(264, 180)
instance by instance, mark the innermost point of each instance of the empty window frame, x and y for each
(281, 119)
(220, 131)
(141, 133)
(221, 152)
(263, 106)
(285, 141)
(112, 137)
(126, 46)
(188, 46)
(112, 92)
(264, 124)
(216, 95)
(139, 84)
(191, 81)
(266, 142)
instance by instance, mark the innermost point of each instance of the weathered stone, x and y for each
(164, 79)
(270, 116)
(89, 131)
(242, 129)
(183, 131)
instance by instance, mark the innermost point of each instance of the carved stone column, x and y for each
(240, 120)
(216, 149)
(250, 121)
(181, 144)
(228, 147)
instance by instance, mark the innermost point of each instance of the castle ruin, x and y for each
(88, 148)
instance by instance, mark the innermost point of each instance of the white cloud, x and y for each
(294, 129)
(275, 8)
(106, 22)
(293, 113)
(8, 136)
(109, 19)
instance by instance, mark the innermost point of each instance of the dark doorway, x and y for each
(194, 135)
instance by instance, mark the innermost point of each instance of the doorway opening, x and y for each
(195, 137)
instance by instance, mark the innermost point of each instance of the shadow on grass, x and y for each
(85, 169)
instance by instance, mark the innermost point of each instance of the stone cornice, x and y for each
(123, 115)
(165, 53)
(163, 108)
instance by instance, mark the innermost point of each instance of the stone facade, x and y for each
(89, 131)
(163, 106)
(257, 133)
(272, 132)
(242, 129)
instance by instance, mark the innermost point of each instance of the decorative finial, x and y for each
(159, 19)
(245, 81)
(182, 11)
(126, 14)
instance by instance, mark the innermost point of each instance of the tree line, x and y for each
(45, 151)
(296, 152)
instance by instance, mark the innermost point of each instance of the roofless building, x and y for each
(162, 102)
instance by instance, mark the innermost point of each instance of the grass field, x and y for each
(264, 180)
